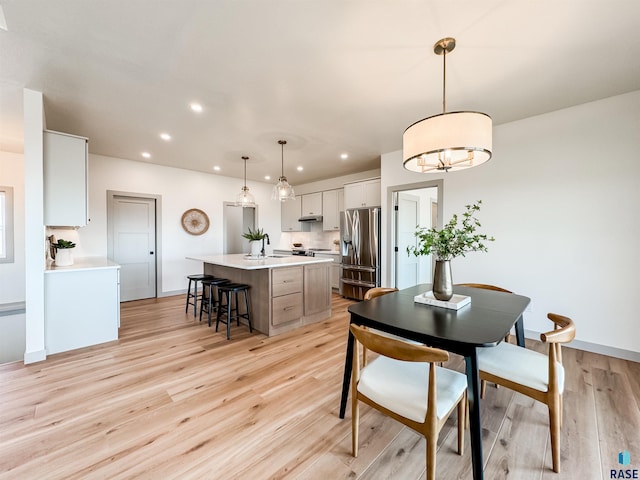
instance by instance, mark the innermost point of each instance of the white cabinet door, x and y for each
(372, 195)
(362, 194)
(81, 308)
(332, 205)
(312, 204)
(290, 211)
(65, 180)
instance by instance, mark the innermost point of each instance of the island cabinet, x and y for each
(286, 292)
(316, 299)
(286, 295)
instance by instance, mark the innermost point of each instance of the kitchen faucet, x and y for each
(268, 243)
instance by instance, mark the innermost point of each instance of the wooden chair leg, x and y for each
(483, 388)
(355, 421)
(554, 425)
(432, 444)
(462, 409)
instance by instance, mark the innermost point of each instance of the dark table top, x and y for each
(483, 323)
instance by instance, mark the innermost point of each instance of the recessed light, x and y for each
(165, 136)
(216, 168)
(344, 156)
(300, 169)
(146, 154)
(267, 177)
(196, 107)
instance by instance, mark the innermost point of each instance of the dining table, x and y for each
(483, 323)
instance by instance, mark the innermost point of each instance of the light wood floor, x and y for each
(174, 399)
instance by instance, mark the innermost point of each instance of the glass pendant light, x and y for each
(448, 141)
(245, 198)
(283, 191)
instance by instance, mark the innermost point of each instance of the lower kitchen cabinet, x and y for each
(82, 306)
(317, 294)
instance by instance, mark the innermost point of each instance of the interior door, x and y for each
(134, 246)
(407, 218)
(236, 221)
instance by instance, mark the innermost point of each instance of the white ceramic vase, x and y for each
(64, 257)
(256, 247)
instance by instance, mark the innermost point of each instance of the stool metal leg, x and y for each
(188, 297)
(248, 305)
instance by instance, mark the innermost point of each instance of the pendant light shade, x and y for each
(245, 198)
(448, 141)
(283, 191)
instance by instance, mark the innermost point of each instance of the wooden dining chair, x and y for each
(373, 293)
(404, 383)
(534, 374)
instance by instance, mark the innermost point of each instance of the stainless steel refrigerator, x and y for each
(360, 249)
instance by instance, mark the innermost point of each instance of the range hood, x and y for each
(310, 218)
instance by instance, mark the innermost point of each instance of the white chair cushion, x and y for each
(402, 387)
(519, 365)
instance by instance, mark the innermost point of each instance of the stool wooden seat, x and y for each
(208, 302)
(194, 295)
(226, 292)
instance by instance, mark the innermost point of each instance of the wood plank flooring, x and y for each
(174, 399)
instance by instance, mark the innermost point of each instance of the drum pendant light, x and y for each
(283, 191)
(448, 141)
(245, 198)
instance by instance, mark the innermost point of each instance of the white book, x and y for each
(454, 303)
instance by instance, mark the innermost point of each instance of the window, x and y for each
(6, 224)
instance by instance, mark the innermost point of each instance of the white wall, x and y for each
(560, 195)
(180, 190)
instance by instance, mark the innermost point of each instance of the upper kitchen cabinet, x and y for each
(362, 194)
(312, 204)
(332, 205)
(290, 213)
(65, 180)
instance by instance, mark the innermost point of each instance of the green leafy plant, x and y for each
(62, 244)
(257, 234)
(452, 240)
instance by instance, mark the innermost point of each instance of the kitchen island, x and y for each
(287, 292)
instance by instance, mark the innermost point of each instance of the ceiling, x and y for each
(328, 76)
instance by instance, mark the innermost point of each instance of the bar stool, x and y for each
(195, 279)
(226, 291)
(208, 301)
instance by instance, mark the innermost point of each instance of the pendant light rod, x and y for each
(282, 144)
(245, 170)
(442, 47)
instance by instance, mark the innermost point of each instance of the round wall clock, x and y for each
(195, 221)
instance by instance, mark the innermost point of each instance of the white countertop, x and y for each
(84, 263)
(240, 260)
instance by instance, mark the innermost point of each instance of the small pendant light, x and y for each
(283, 191)
(245, 198)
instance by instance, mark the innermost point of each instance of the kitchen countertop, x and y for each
(241, 261)
(84, 263)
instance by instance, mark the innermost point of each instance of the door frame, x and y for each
(391, 221)
(111, 194)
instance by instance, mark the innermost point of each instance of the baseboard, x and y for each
(594, 348)
(172, 293)
(33, 357)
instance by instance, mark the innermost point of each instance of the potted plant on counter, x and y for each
(255, 238)
(64, 257)
(450, 242)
